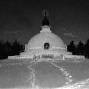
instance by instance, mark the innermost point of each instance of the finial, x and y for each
(45, 20)
(45, 13)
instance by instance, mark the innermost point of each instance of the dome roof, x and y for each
(45, 36)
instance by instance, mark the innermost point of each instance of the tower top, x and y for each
(45, 20)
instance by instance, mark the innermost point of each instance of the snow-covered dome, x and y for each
(46, 44)
(45, 38)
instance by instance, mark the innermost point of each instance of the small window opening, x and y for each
(46, 45)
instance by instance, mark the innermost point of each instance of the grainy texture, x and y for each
(24, 74)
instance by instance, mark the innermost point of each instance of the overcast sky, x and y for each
(21, 19)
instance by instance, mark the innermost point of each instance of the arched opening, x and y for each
(46, 46)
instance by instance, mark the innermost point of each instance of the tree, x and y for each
(17, 48)
(80, 48)
(7, 48)
(2, 50)
(71, 47)
(87, 49)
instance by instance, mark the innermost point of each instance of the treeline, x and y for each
(10, 49)
(79, 49)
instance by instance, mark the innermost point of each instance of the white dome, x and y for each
(45, 36)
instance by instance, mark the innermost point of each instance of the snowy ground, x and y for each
(24, 74)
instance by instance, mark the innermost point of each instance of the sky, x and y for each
(21, 19)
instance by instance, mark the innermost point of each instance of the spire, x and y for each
(45, 20)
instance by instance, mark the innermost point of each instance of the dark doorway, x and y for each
(46, 45)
